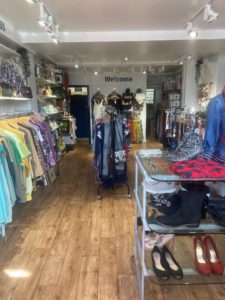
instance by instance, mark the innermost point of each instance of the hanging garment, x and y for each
(214, 140)
(127, 100)
(114, 99)
(5, 193)
(107, 141)
(99, 110)
(29, 153)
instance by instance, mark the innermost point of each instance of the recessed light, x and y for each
(76, 66)
(144, 72)
(96, 73)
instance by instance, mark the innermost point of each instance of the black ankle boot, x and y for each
(188, 214)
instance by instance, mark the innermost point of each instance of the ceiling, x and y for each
(101, 32)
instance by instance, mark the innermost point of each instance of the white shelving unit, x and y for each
(4, 98)
(7, 51)
(146, 172)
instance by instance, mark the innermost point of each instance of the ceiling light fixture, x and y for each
(55, 40)
(156, 69)
(42, 20)
(46, 20)
(192, 32)
(209, 14)
(126, 59)
(96, 73)
(144, 72)
(76, 66)
(55, 34)
(31, 1)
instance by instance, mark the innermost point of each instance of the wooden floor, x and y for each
(66, 244)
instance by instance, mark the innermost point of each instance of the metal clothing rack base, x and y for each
(101, 185)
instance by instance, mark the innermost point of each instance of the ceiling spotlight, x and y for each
(31, 1)
(126, 58)
(144, 72)
(76, 66)
(42, 20)
(189, 57)
(55, 40)
(209, 14)
(96, 73)
(181, 62)
(49, 24)
(192, 32)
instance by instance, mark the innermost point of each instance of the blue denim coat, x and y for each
(214, 141)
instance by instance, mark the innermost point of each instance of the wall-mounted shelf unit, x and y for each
(43, 97)
(43, 81)
(4, 98)
(8, 51)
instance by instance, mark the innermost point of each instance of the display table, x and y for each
(152, 166)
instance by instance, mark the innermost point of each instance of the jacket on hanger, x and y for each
(214, 140)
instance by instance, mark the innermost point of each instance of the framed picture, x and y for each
(174, 103)
(58, 77)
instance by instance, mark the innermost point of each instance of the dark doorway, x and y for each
(79, 108)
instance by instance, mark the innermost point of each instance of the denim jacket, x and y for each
(214, 141)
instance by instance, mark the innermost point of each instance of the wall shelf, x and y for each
(4, 98)
(43, 81)
(43, 97)
(8, 51)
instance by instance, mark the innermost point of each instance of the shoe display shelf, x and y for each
(152, 166)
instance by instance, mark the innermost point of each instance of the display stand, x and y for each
(111, 178)
(152, 166)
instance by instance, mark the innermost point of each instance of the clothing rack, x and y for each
(111, 111)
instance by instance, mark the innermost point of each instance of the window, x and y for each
(150, 96)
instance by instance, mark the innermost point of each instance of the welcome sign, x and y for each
(118, 79)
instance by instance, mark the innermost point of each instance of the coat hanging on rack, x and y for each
(114, 99)
(98, 105)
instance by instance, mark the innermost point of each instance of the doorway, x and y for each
(79, 108)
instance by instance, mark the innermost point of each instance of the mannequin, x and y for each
(214, 141)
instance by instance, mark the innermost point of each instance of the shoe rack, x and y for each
(152, 166)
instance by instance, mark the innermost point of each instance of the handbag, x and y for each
(26, 92)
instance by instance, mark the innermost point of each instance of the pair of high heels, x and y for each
(207, 258)
(164, 264)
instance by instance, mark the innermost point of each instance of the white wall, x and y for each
(220, 83)
(189, 86)
(212, 70)
(98, 82)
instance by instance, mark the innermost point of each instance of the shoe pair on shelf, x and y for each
(164, 264)
(207, 258)
(155, 239)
